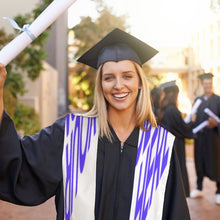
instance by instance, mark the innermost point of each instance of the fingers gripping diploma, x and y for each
(3, 74)
(212, 123)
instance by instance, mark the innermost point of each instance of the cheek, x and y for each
(136, 85)
(106, 88)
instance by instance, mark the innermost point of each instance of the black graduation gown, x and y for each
(173, 122)
(31, 173)
(207, 141)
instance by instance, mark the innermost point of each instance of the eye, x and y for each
(127, 76)
(107, 78)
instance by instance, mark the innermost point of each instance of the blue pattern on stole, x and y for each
(151, 169)
(77, 156)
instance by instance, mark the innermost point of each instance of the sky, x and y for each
(158, 22)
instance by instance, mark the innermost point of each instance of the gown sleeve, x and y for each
(174, 123)
(31, 167)
(175, 204)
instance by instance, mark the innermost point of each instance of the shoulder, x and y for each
(74, 121)
(85, 116)
(171, 110)
(199, 97)
(215, 96)
(160, 130)
(171, 107)
(215, 99)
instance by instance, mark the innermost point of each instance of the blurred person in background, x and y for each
(170, 118)
(155, 99)
(207, 140)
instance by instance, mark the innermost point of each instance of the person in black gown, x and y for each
(170, 118)
(207, 140)
(110, 163)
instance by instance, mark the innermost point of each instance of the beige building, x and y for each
(42, 94)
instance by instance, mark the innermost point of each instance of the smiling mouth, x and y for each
(120, 96)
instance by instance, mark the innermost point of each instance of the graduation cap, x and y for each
(169, 86)
(115, 46)
(205, 76)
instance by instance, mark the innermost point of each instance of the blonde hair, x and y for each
(143, 108)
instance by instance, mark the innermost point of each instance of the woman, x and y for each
(110, 163)
(170, 118)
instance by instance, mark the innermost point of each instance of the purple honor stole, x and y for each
(79, 167)
(79, 170)
(151, 173)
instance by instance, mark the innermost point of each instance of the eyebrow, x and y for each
(127, 71)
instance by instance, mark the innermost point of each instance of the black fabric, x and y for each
(175, 206)
(115, 175)
(31, 168)
(173, 122)
(207, 141)
(31, 173)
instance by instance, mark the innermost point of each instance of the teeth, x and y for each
(120, 95)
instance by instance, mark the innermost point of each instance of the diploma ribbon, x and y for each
(23, 29)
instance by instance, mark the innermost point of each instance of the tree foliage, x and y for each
(215, 5)
(26, 120)
(29, 62)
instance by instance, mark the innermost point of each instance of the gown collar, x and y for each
(132, 139)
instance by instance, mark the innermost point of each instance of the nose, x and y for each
(118, 83)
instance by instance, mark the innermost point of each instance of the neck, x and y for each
(207, 95)
(123, 123)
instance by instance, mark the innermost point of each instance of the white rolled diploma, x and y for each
(40, 24)
(193, 110)
(200, 127)
(212, 114)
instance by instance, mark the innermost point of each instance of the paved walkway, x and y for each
(200, 209)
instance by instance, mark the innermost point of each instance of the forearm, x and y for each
(2, 81)
(1, 105)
